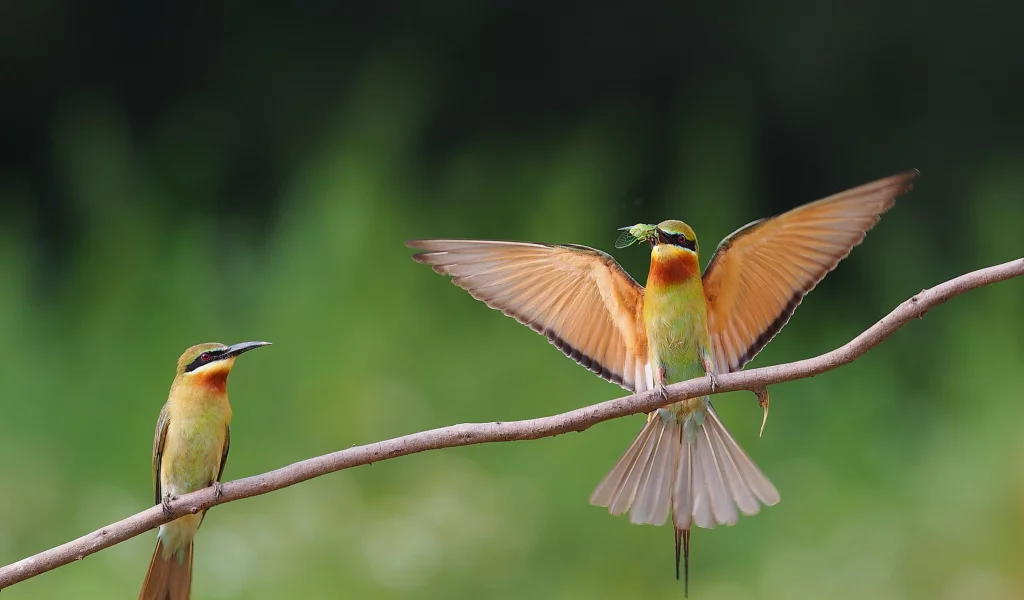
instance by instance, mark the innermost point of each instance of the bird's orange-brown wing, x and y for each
(578, 297)
(760, 273)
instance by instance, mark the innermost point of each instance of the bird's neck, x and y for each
(672, 267)
(201, 391)
(215, 382)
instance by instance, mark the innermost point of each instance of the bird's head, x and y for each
(675, 233)
(211, 361)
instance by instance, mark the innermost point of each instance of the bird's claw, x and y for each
(714, 381)
(218, 490)
(664, 394)
(762, 401)
(165, 504)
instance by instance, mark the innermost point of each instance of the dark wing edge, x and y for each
(159, 438)
(224, 454)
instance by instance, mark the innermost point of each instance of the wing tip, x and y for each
(889, 189)
(898, 184)
(420, 257)
(907, 180)
(425, 258)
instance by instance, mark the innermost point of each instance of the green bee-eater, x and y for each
(682, 325)
(190, 448)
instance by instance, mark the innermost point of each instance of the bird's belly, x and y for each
(677, 343)
(678, 340)
(192, 455)
(178, 533)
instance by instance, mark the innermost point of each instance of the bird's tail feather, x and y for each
(169, 577)
(699, 481)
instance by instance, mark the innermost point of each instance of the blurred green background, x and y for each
(178, 174)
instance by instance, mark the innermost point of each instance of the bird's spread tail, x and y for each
(169, 577)
(698, 474)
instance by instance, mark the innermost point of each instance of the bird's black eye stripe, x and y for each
(676, 240)
(203, 359)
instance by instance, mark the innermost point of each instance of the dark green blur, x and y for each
(176, 176)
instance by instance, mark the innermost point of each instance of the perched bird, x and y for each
(190, 448)
(682, 325)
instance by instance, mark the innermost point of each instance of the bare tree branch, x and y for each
(481, 433)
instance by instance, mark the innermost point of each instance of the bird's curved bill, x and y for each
(243, 347)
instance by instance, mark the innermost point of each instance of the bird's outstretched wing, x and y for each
(578, 297)
(760, 273)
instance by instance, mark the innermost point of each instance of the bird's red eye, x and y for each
(205, 356)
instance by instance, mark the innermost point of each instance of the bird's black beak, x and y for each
(661, 237)
(242, 348)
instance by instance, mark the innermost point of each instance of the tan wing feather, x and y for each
(578, 297)
(760, 273)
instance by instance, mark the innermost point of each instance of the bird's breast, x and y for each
(672, 266)
(194, 446)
